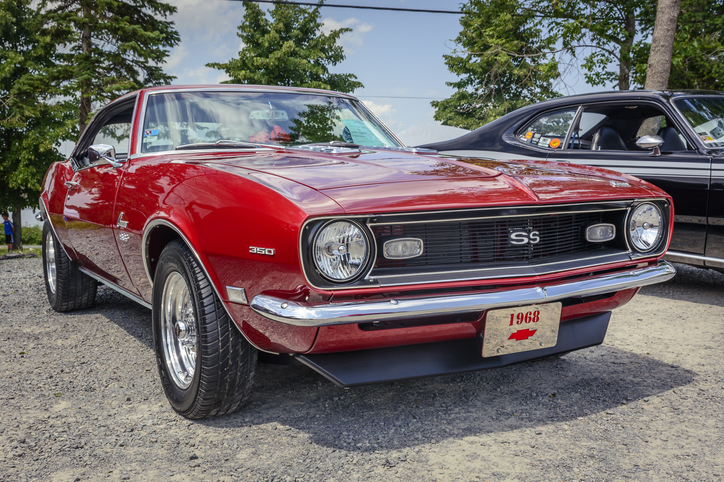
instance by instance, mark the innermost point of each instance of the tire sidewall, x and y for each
(52, 297)
(171, 261)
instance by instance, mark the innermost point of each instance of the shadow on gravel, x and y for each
(414, 412)
(697, 285)
(126, 314)
(403, 414)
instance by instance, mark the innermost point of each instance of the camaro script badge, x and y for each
(620, 184)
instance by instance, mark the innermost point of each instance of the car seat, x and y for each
(607, 138)
(672, 141)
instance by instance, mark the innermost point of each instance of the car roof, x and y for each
(627, 94)
(239, 87)
(488, 134)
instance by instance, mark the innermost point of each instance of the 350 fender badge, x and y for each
(264, 251)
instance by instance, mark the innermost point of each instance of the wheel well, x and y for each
(158, 238)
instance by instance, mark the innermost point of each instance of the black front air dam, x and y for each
(352, 368)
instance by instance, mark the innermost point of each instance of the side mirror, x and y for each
(102, 154)
(651, 142)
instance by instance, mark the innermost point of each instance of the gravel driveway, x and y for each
(81, 400)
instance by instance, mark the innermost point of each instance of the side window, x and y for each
(617, 127)
(549, 130)
(116, 134)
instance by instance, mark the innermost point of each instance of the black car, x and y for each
(674, 140)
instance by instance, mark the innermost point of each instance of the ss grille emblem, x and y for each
(522, 237)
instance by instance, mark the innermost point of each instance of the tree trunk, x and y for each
(624, 66)
(662, 45)
(17, 223)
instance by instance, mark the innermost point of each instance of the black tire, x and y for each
(68, 289)
(223, 362)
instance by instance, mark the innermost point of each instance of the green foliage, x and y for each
(105, 48)
(698, 57)
(504, 62)
(316, 124)
(30, 124)
(288, 49)
(511, 50)
(32, 235)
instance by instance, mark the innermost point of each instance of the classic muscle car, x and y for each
(291, 226)
(674, 140)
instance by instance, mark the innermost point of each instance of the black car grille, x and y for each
(485, 242)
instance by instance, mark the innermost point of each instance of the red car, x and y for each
(290, 225)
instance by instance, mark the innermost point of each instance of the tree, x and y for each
(521, 44)
(697, 60)
(30, 125)
(288, 49)
(106, 48)
(504, 63)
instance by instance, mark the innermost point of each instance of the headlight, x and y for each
(340, 250)
(645, 227)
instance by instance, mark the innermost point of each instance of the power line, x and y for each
(359, 7)
(362, 96)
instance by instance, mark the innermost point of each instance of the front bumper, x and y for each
(299, 314)
(347, 369)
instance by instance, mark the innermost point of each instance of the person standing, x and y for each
(9, 231)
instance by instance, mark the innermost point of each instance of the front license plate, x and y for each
(525, 328)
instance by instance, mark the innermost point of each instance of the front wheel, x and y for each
(67, 287)
(207, 368)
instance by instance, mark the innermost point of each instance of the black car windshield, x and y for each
(186, 118)
(706, 117)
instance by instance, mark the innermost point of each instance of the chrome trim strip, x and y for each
(297, 314)
(529, 215)
(700, 257)
(144, 253)
(44, 208)
(507, 271)
(116, 288)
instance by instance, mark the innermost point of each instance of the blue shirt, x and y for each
(8, 227)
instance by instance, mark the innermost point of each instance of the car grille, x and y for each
(483, 242)
(476, 244)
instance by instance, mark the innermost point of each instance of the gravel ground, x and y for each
(81, 400)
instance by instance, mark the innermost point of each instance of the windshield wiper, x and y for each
(227, 144)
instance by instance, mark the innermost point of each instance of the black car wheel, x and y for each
(68, 289)
(207, 368)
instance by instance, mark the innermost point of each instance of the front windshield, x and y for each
(182, 118)
(706, 116)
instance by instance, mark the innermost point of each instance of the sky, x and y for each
(398, 56)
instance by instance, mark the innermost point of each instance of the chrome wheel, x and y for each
(50, 262)
(178, 330)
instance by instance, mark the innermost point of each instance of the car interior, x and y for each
(609, 127)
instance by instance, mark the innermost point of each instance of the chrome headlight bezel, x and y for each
(315, 251)
(636, 216)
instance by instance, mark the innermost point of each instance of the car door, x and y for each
(605, 136)
(89, 204)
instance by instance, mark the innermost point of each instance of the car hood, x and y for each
(384, 181)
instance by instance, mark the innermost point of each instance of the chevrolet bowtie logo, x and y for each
(521, 335)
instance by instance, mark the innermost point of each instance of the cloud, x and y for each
(385, 111)
(202, 75)
(176, 56)
(355, 38)
(198, 19)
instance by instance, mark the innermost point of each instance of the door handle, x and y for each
(71, 184)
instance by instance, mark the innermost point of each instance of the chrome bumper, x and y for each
(292, 313)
